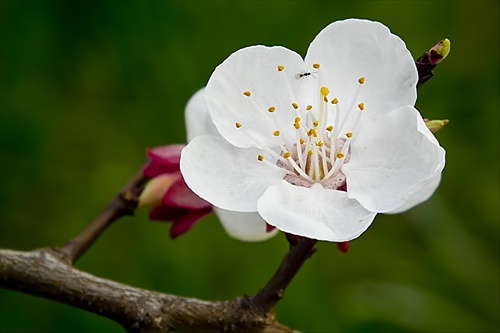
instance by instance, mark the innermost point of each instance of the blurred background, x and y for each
(86, 86)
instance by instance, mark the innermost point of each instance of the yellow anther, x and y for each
(276, 133)
(247, 93)
(296, 125)
(295, 105)
(286, 154)
(301, 141)
(349, 134)
(361, 80)
(340, 155)
(309, 107)
(312, 132)
(315, 123)
(316, 66)
(361, 106)
(335, 101)
(238, 125)
(325, 99)
(324, 91)
(329, 128)
(319, 143)
(260, 158)
(297, 119)
(309, 152)
(271, 109)
(280, 68)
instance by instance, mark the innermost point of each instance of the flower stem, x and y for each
(273, 291)
(124, 203)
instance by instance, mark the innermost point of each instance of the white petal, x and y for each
(314, 212)
(390, 155)
(227, 177)
(248, 227)
(350, 49)
(255, 69)
(420, 193)
(198, 121)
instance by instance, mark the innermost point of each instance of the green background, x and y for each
(86, 86)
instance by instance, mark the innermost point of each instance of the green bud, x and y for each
(436, 125)
(440, 51)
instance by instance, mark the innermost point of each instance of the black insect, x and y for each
(303, 74)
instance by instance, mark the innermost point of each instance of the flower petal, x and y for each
(248, 227)
(180, 195)
(390, 155)
(198, 120)
(226, 176)
(350, 49)
(314, 212)
(255, 70)
(182, 219)
(418, 194)
(164, 159)
(155, 189)
(187, 220)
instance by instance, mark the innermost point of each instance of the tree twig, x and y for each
(273, 291)
(41, 272)
(430, 59)
(124, 203)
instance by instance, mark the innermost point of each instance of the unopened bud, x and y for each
(154, 191)
(436, 125)
(440, 51)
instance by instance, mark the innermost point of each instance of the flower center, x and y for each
(319, 141)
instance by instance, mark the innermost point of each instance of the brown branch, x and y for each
(124, 203)
(273, 291)
(43, 273)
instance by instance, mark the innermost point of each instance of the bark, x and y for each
(44, 273)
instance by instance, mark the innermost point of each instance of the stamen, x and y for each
(295, 105)
(276, 133)
(296, 125)
(319, 143)
(271, 109)
(315, 123)
(335, 101)
(281, 68)
(238, 125)
(324, 91)
(340, 155)
(361, 80)
(299, 170)
(312, 132)
(297, 119)
(274, 166)
(329, 128)
(247, 93)
(301, 141)
(361, 106)
(349, 134)
(316, 167)
(286, 154)
(316, 66)
(309, 107)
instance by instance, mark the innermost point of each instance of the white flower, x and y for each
(248, 227)
(318, 146)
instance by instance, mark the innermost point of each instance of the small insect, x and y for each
(304, 74)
